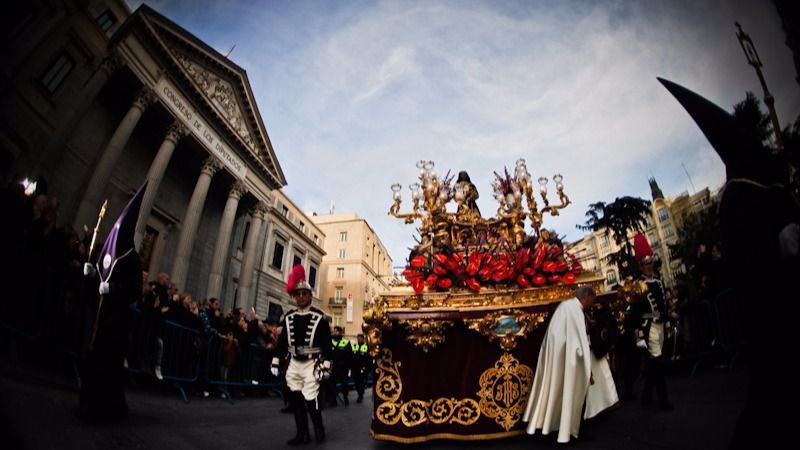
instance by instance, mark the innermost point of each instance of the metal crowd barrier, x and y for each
(251, 367)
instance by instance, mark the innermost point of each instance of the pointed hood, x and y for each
(119, 242)
(743, 156)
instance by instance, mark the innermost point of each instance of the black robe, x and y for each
(102, 393)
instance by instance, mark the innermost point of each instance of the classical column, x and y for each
(246, 275)
(51, 153)
(92, 198)
(156, 173)
(190, 221)
(224, 240)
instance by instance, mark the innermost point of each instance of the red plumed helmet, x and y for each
(297, 280)
(641, 249)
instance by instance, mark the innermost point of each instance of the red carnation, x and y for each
(444, 283)
(418, 261)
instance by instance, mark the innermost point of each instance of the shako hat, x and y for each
(642, 250)
(297, 280)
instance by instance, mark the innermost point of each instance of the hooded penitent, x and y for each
(119, 242)
(744, 157)
(756, 210)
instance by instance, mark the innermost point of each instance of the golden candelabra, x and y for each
(465, 229)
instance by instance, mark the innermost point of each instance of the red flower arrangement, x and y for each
(530, 266)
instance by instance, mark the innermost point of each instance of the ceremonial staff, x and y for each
(97, 227)
(91, 248)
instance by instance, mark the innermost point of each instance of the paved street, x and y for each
(36, 412)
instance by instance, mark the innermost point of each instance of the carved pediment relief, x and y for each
(221, 94)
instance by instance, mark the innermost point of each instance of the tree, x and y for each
(698, 229)
(619, 218)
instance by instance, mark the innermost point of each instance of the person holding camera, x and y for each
(306, 341)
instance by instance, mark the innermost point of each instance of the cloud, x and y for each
(353, 93)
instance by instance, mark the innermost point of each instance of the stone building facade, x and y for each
(97, 99)
(356, 267)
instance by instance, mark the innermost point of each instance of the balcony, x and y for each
(336, 302)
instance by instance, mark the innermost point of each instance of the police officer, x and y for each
(342, 354)
(305, 341)
(649, 315)
(361, 365)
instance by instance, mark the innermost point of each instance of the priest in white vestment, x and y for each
(564, 373)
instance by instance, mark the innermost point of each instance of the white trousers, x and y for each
(655, 341)
(300, 376)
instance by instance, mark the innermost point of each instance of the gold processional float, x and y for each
(456, 345)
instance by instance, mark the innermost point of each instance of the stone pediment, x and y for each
(221, 84)
(221, 94)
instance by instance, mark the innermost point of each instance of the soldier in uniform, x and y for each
(342, 355)
(649, 316)
(306, 342)
(361, 365)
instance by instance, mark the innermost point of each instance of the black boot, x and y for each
(300, 419)
(316, 419)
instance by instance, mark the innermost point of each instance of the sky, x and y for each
(354, 93)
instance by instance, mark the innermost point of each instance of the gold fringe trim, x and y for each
(455, 437)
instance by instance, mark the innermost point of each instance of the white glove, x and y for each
(274, 366)
(104, 287)
(88, 269)
(642, 344)
(324, 371)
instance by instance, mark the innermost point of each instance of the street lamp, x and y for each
(752, 58)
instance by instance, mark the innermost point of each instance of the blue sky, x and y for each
(353, 93)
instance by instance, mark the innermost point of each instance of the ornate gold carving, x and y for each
(416, 412)
(504, 391)
(506, 326)
(465, 228)
(399, 300)
(375, 320)
(425, 333)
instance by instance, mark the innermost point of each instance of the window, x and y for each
(343, 236)
(662, 214)
(316, 239)
(340, 272)
(653, 238)
(648, 223)
(57, 72)
(337, 320)
(339, 295)
(604, 242)
(302, 226)
(106, 20)
(342, 253)
(668, 229)
(284, 211)
(277, 255)
(296, 260)
(611, 277)
(312, 276)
